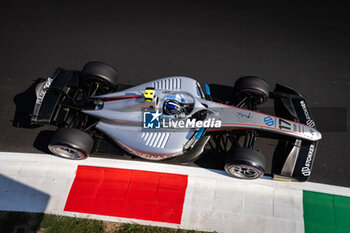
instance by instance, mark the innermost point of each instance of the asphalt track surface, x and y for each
(302, 44)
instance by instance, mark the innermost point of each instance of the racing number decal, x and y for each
(282, 124)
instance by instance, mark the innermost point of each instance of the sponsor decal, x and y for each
(155, 120)
(191, 123)
(309, 122)
(42, 92)
(306, 169)
(269, 121)
(151, 120)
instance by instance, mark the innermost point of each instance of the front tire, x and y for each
(252, 87)
(71, 143)
(245, 163)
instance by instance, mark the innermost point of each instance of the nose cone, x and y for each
(318, 136)
(315, 135)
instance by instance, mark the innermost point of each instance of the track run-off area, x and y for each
(168, 195)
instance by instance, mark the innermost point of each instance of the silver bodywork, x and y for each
(121, 118)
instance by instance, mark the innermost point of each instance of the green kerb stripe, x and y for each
(325, 213)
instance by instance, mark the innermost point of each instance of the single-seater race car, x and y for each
(173, 117)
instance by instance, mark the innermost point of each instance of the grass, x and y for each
(18, 222)
(59, 224)
(135, 228)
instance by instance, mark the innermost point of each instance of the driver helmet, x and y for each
(172, 107)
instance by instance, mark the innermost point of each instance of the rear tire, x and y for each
(253, 87)
(71, 143)
(245, 163)
(101, 73)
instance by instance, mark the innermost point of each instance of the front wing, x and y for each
(293, 159)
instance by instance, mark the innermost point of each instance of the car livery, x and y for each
(172, 118)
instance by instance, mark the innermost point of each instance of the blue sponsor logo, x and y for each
(151, 120)
(269, 121)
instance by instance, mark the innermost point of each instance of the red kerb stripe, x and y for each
(125, 193)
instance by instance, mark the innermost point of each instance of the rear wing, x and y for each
(293, 159)
(52, 95)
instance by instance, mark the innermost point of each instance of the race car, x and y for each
(174, 118)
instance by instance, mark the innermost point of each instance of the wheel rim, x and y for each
(243, 171)
(67, 152)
